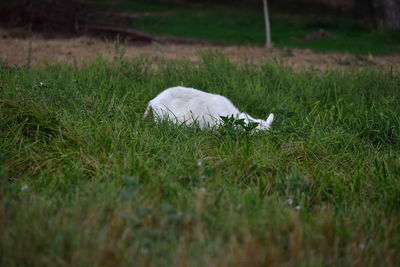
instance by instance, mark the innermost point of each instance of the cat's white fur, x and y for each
(187, 105)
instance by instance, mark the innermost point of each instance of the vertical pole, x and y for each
(268, 43)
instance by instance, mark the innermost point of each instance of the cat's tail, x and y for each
(147, 111)
(270, 119)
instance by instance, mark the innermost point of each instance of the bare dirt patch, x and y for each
(37, 50)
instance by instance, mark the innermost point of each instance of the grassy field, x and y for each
(238, 24)
(84, 181)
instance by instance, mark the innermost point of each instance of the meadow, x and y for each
(84, 181)
(237, 24)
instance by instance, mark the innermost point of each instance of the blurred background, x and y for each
(353, 26)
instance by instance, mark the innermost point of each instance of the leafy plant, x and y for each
(232, 123)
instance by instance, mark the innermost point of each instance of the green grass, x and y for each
(243, 25)
(86, 182)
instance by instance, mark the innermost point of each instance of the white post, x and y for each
(268, 43)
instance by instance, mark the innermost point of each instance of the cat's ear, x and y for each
(270, 119)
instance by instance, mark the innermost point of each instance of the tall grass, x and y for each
(86, 182)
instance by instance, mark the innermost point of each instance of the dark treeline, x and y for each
(43, 15)
(66, 15)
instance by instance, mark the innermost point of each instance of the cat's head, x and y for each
(265, 125)
(262, 124)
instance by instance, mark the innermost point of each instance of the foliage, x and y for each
(233, 124)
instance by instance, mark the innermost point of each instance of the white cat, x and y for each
(187, 105)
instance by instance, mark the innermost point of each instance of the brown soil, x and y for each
(36, 50)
